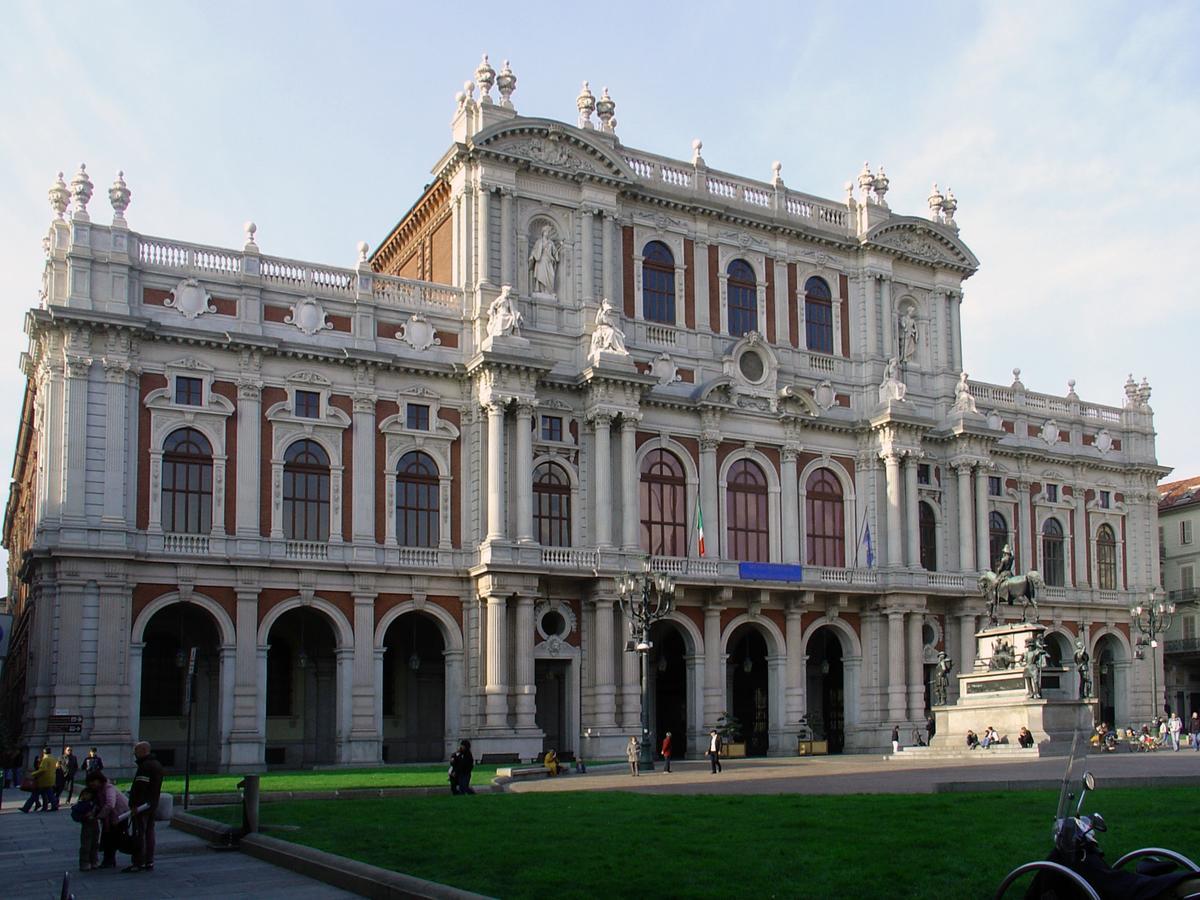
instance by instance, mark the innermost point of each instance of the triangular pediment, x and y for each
(553, 146)
(921, 241)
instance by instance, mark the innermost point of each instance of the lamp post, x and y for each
(1152, 619)
(646, 597)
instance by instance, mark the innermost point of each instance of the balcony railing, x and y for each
(306, 550)
(190, 544)
(1184, 595)
(566, 558)
(1183, 645)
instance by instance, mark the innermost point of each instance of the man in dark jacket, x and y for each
(147, 785)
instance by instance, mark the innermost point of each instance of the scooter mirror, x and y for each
(1089, 781)
(1098, 822)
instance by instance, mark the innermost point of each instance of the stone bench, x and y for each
(536, 770)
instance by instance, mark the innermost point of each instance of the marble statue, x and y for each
(941, 682)
(963, 401)
(892, 387)
(543, 261)
(908, 335)
(504, 319)
(1083, 663)
(1037, 657)
(608, 336)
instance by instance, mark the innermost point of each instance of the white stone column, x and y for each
(496, 685)
(116, 422)
(606, 259)
(345, 683)
(365, 730)
(249, 441)
(630, 513)
(109, 722)
(362, 497)
(891, 465)
(227, 655)
(896, 693)
(631, 692)
(888, 317)
(246, 740)
(701, 280)
(522, 643)
(714, 537)
(587, 262)
(601, 423)
(982, 538)
(524, 471)
(506, 237)
(714, 666)
(483, 238)
(75, 448)
(604, 688)
(966, 643)
(790, 505)
(496, 488)
(1023, 528)
(966, 536)
(916, 667)
(796, 676)
(911, 499)
(956, 331)
(1080, 536)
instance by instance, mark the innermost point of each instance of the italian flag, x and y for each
(699, 528)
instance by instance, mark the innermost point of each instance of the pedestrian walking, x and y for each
(462, 763)
(632, 751)
(895, 738)
(69, 763)
(43, 784)
(666, 753)
(714, 751)
(1174, 728)
(1194, 729)
(143, 800)
(92, 763)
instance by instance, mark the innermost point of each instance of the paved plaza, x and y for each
(37, 848)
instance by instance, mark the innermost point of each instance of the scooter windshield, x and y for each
(1064, 795)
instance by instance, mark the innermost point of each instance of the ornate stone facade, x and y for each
(391, 512)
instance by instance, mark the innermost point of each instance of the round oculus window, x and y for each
(751, 366)
(553, 623)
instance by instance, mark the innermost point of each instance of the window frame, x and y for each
(927, 533)
(996, 536)
(1106, 558)
(552, 505)
(824, 519)
(551, 429)
(658, 283)
(417, 416)
(818, 316)
(746, 295)
(192, 389)
(298, 506)
(301, 398)
(196, 494)
(1054, 553)
(418, 509)
(748, 533)
(656, 491)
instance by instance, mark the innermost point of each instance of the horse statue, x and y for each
(1007, 590)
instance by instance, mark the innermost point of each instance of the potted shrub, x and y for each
(730, 730)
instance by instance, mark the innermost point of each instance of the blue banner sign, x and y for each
(750, 571)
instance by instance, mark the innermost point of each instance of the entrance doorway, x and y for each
(826, 689)
(301, 690)
(668, 691)
(414, 690)
(552, 680)
(748, 688)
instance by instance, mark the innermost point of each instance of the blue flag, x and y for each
(866, 538)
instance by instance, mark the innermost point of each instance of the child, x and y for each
(84, 812)
(112, 811)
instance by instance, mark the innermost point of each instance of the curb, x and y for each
(347, 874)
(1116, 781)
(233, 797)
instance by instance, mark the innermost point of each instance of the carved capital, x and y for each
(630, 420)
(710, 441)
(526, 406)
(790, 453)
(249, 390)
(77, 366)
(600, 419)
(364, 403)
(116, 371)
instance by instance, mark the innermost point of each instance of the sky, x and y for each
(1068, 131)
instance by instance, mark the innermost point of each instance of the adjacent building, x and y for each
(388, 505)
(1178, 525)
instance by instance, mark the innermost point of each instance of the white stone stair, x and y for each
(994, 753)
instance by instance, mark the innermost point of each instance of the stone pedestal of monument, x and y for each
(994, 694)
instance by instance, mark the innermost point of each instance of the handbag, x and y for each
(26, 784)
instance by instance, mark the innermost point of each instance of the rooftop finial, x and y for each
(935, 203)
(81, 190)
(777, 173)
(60, 197)
(697, 146)
(866, 181)
(485, 77)
(586, 101)
(605, 108)
(506, 83)
(118, 196)
(880, 186)
(363, 249)
(250, 228)
(949, 206)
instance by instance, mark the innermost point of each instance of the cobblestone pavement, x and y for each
(37, 848)
(853, 774)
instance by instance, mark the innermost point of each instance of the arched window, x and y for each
(997, 538)
(742, 291)
(1106, 558)
(552, 506)
(306, 492)
(658, 283)
(818, 315)
(663, 505)
(927, 527)
(418, 510)
(746, 512)
(187, 483)
(1053, 566)
(824, 512)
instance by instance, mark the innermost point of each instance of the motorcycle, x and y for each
(1076, 866)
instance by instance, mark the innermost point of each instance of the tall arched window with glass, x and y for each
(997, 537)
(663, 505)
(927, 526)
(552, 506)
(1106, 558)
(187, 483)
(818, 315)
(742, 290)
(1054, 569)
(658, 283)
(306, 492)
(746, 511)
(825, 516)
(418, 501)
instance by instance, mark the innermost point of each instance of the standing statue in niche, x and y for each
(504, 319)
(543, 261)
(1083, 662)
(941, 679)
(608, 336)
(1037, 657)
(908, 335)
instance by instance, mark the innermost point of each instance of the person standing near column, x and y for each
(69, 763)
(666, 754)
(147, 785)
(631, 753)
(714, 751)
(895, 738)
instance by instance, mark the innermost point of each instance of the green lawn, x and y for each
(604, 844)
(433, 775)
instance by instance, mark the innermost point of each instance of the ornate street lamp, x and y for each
(646, 597)
(1152, 619)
